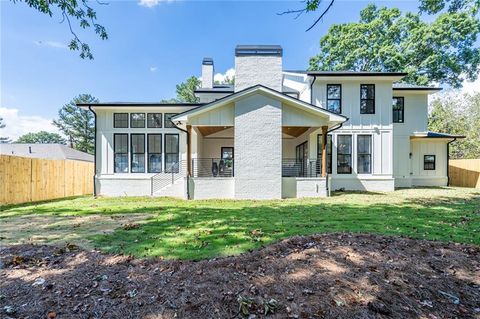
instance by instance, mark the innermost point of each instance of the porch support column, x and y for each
(189, 150)
(324, 151)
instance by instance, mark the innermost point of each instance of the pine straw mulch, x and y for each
(324, 276)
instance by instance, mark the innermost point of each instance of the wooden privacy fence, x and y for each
(25, 179)
(464, 172)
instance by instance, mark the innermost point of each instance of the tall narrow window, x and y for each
(171, 153)
(367, 99)
(168, 119)
(138, 153)
(154, 148)
(334, 98)
(398, 109)
(137, 120)
(120, 120)
(154, 120)
(120, 150)
(329, 153)
(364, 154)
(429, 162)
(344, 154)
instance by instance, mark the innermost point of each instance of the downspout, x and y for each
(188, 141)
(94, 152)
(311, 89)
(448, 160)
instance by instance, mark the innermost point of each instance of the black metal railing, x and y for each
(292, 167)
(172, 173)
(212, 167)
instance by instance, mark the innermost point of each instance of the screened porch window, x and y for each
(154, 147)
(344, 154)
(138, 153)
(120, 149)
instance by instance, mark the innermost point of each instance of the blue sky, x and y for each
(149, 51)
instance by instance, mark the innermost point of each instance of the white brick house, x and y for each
(274, 134)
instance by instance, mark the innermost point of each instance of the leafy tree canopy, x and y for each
(77, 124)
(42, 137)
(386, 40)
(185, 90)
(3, 139)
(72, 11)
(458, 115)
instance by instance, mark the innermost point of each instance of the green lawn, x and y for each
(203, 229)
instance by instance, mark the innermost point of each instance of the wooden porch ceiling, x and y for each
(294, 131)
(209, 130)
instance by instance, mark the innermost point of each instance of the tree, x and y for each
(3, 139)
(79, 11)
(384, 39)
(459, 115)
(185, 90)
(426, 6)
(42, 137)
(77, 124)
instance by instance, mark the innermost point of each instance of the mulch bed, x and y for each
(324, 276)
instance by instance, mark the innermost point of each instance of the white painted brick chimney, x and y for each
(258, 64)
(207, 73)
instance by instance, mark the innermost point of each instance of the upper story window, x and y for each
(168, 121)
(120, 120)
(367, 99)
(137, 120)
(398, 109)
(154, 120)
(429, 162)
(334, 98)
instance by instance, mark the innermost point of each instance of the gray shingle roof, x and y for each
(45, 151)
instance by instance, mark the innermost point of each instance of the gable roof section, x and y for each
(46, 151)
(260, 89)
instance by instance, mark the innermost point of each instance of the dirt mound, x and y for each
(325, 276)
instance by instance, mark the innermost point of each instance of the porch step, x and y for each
(177, 189)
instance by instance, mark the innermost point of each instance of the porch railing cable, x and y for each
(169, 176)
(212, 167)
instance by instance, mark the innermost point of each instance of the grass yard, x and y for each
(178, 229)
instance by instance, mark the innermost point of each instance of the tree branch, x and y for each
(321, 16)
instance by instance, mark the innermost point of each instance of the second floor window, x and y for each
(367, 99)
(334, 98)
(398, 109)
(137, 120)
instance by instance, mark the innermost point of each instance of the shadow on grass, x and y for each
(201, 231)
(27, 204)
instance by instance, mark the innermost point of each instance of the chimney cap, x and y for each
(207, 61)
(268, 50)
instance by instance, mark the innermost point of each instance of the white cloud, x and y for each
(151, 3)
(51, 44)
(223, 77)
(17, 124)
(153, 69)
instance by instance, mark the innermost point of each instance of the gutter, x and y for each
(94, 152)
(448, 160)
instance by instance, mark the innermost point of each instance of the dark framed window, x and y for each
(168, 119)
(226, 154)
(398, 109)
(171, 153)
(334, 98)
(367, 99)
(137, 153)
(120, 151)
(429, 162)
(329, 153)
(344, 154)
(154, 149)
(154, 120)
(137, 120)
(364, 154)
(120, 120)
